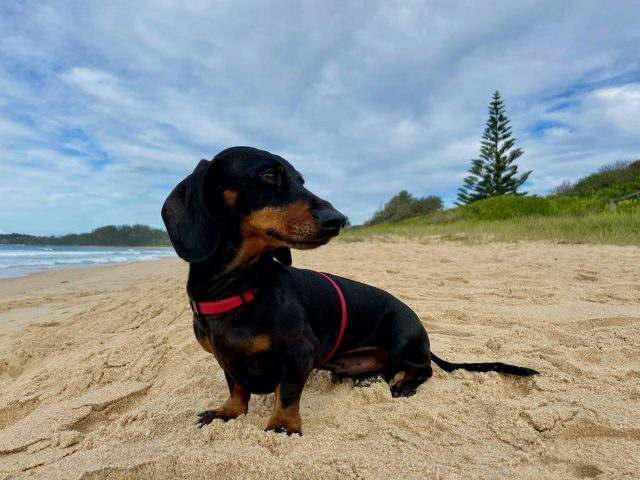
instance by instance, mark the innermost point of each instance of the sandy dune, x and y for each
(101, 377)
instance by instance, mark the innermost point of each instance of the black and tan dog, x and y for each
(269, 324)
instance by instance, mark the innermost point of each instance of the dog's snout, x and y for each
(330, 220)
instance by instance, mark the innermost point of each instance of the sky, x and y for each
(106, 106)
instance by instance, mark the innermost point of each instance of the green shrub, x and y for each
(578, 206)
(629, 207)
(507, 206)
(614, 180)
(440, 217)
(404, 205)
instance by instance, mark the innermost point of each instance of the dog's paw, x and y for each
(367, 380)
(283, 429)
(402, 389)
(208, 416)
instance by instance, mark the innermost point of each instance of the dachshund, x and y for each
(268, 324)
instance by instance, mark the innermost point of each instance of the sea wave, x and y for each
(48, 253)
(20, 260)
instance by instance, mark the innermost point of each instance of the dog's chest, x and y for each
(249, 358)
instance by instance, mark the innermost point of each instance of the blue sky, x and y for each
(105, 106)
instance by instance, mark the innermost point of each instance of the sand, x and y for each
(101, 377)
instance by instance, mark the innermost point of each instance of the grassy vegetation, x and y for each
(578, 214)
(619, 229)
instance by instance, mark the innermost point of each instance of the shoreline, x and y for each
(71, 268)
(17, 260)
(62, 268)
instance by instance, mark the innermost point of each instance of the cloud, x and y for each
(105, 106)
(620, 106)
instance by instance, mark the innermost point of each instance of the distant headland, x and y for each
(110, 235)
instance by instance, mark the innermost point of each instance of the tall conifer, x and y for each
(495, 172)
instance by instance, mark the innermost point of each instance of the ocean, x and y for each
(19, 260)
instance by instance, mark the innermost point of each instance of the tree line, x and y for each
(110, 235)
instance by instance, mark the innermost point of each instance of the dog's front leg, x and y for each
(237, 404)
(286, 411)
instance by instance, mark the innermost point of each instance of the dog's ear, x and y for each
(192, 230)
(283, 255)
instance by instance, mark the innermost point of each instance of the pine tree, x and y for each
(494, 173)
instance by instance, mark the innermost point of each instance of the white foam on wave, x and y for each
(21, 260)
(48, 253)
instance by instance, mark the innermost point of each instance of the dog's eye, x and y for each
(271, 177)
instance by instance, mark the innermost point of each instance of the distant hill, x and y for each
(111, 235)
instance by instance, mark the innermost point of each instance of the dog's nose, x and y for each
(330, 220)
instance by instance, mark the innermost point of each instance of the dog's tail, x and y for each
(484, 367)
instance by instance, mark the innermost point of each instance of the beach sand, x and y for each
(101, 376)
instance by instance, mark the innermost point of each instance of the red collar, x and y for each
(221, 306)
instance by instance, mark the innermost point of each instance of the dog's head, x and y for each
(254, 193)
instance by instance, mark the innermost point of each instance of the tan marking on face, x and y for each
(259, 344)
(237, 404)
(260, 221)
(206, 344)
(300, 221)
(294, 221)
(230, 196)
(287, 417)
(254, 242)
